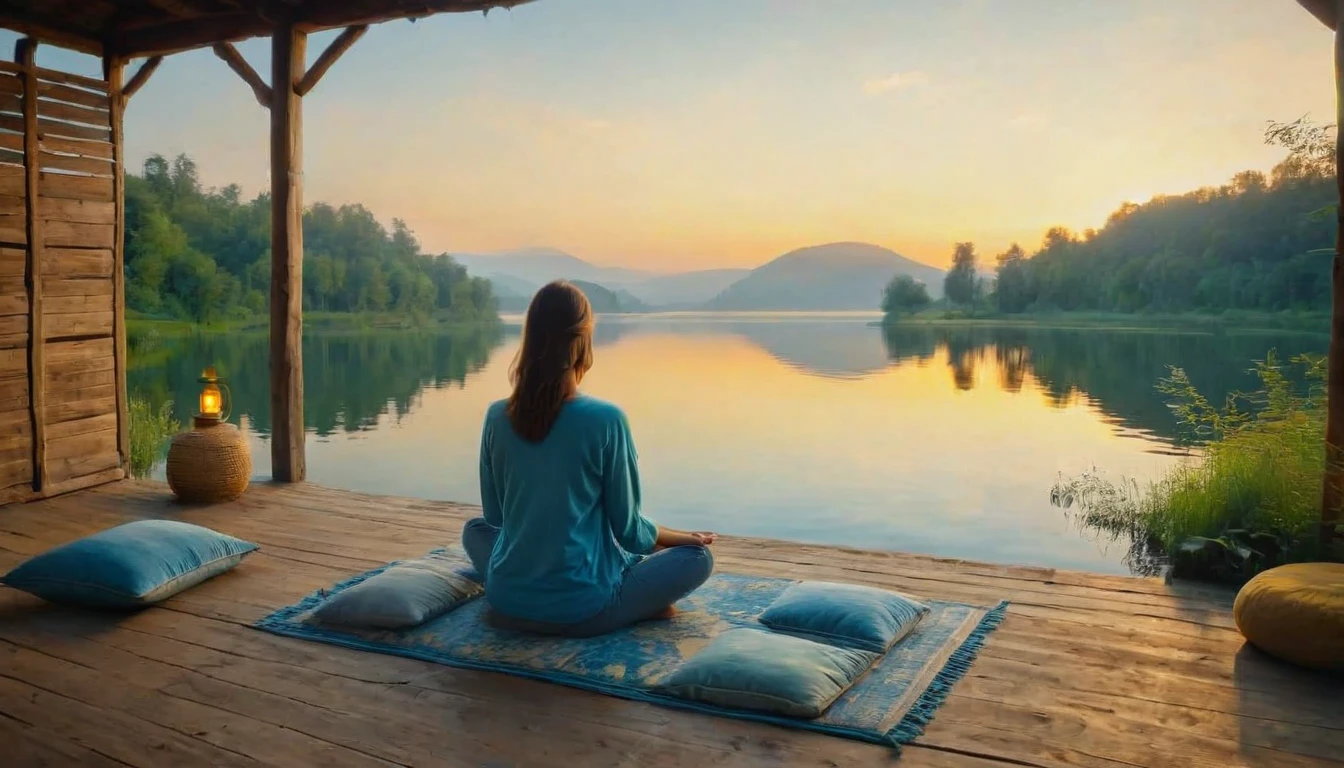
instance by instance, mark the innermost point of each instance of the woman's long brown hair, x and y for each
(556, 352)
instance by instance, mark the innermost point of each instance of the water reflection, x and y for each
(351, 381)
(926, 439)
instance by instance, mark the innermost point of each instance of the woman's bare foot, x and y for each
(666, 613)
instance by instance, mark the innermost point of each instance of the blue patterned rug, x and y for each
(890, 704)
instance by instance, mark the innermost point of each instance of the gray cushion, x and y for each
(851, 615)
(754, 669)
(406, 594)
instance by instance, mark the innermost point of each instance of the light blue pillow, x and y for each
(850, 615)
(404, 595)
(753, 669)
(131, 565)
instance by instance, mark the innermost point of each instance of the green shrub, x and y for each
(1250, 503)
(150, 429)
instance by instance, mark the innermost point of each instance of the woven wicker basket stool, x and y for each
(209, 464)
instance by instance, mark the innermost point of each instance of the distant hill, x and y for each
(605, 300)
(538, 266)
(836, 276)
(687, 289)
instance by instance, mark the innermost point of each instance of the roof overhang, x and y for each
(132, 28)
(1325, 10)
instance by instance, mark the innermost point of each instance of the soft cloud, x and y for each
(896, 81)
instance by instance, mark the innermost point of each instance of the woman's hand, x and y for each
(668, 537)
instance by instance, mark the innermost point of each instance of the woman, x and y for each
(562, 537)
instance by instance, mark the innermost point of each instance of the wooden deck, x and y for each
(1087, 670)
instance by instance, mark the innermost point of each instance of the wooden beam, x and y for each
(115, 68)
(1332, 493)
(288, 45)
(240, 67)
(185, 34)
(25, 53)
(140, 77)
(1324, 10)
(42, 27)
(329, 57)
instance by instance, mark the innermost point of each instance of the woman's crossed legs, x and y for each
(650, 586)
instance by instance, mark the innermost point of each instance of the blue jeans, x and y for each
(649, 586)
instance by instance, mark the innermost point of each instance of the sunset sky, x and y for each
(698, 134)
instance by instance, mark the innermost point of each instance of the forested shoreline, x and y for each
(1262, 243)
(203, 255)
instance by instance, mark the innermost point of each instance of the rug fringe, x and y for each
(958, 664)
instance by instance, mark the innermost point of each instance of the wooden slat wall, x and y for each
(16, 418)
(67, 292)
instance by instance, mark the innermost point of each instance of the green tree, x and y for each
(1010, 281)
(203, 254)
(904, 294)
(960, 284)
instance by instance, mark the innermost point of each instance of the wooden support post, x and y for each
(1332, 495)
(288, 45)
(114, 69)
(239, 65)
(137, 80)
(25, 55)
(329, 57)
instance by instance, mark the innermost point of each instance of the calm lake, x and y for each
(805, 427)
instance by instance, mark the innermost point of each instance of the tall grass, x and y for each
(1251, 502)
(150, 429)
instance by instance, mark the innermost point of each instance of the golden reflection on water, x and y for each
(951, 452)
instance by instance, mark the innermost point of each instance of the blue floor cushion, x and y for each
(404, 595)
(764, 671)
(850, 615)
(131, 565)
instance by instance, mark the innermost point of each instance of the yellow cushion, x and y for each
(1296, 612)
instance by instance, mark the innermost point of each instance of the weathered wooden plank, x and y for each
(96, 188)
(78, 211)
(66, 263)
(61, 380)
(79, 351)
(58, 325)
(101, 423)
(75, 164)
(66, 93)
(63, 305)
(11, 325)
(14, 303)
(48, 127)
(82, 465)
(17, 471)
(99, 149)
(88, 393)
(26, 57)
(13, 362)
(13, 205)
(115, 72)
(288, 463)
(59, 285)
(14, 230)
(13, 262)
(124, 738)
(80, 408)
(68, 234)
(73, 113)
(36, 745)
(11, 141)
(69, 78)
(11, 83)
(12, 181)
(79, 444)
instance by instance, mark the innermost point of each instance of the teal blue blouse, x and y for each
(568, 510)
